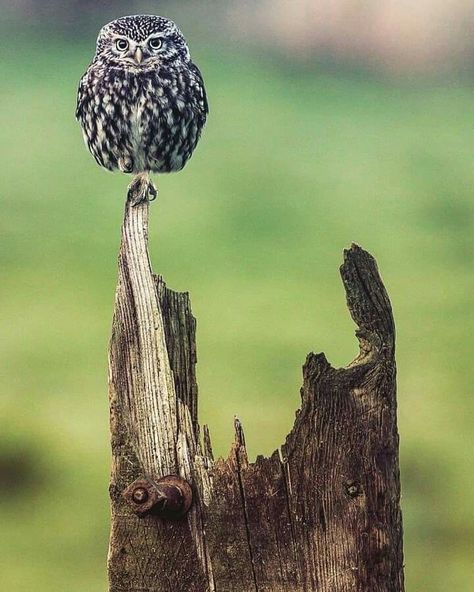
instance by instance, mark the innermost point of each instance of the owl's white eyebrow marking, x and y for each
(159, 35)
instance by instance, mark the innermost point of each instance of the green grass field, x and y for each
(292, 168)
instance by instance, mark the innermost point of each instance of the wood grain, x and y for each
(321, 514)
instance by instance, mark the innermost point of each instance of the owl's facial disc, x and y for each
(141, 43)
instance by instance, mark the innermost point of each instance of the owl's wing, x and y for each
(81, 96)
(200, 90)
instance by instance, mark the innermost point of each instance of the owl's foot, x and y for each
(141, 189)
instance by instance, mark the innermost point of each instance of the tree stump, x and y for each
(321, 514)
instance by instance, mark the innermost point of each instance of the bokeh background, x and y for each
(332, 121)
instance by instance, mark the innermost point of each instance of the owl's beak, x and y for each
(138, 56)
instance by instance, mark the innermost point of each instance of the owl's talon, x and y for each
(141, 189)
(152, 192)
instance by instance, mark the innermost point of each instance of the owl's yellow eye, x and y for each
(121, 44)
(155, 43)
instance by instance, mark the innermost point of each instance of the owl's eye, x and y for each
(121, 44)
(155, 43)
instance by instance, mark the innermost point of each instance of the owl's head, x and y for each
(141, 42)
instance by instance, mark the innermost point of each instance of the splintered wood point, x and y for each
(320, 514)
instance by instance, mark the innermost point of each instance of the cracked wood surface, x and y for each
(321, 514)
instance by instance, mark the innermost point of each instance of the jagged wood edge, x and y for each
(370, 308)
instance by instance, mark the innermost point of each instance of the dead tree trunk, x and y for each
(321, 514)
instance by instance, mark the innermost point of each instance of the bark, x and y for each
(321, 514)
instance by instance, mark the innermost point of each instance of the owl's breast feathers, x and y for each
(145, 121)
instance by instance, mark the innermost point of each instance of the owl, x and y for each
(142, 103)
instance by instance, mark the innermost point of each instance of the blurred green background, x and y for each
(327, 126)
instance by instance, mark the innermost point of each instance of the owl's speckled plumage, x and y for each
(142, 103)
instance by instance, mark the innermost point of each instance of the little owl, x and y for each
(142, 103)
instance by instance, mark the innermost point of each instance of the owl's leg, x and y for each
(141, 189)
(125, 164)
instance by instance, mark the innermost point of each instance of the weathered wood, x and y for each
(321, 514)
